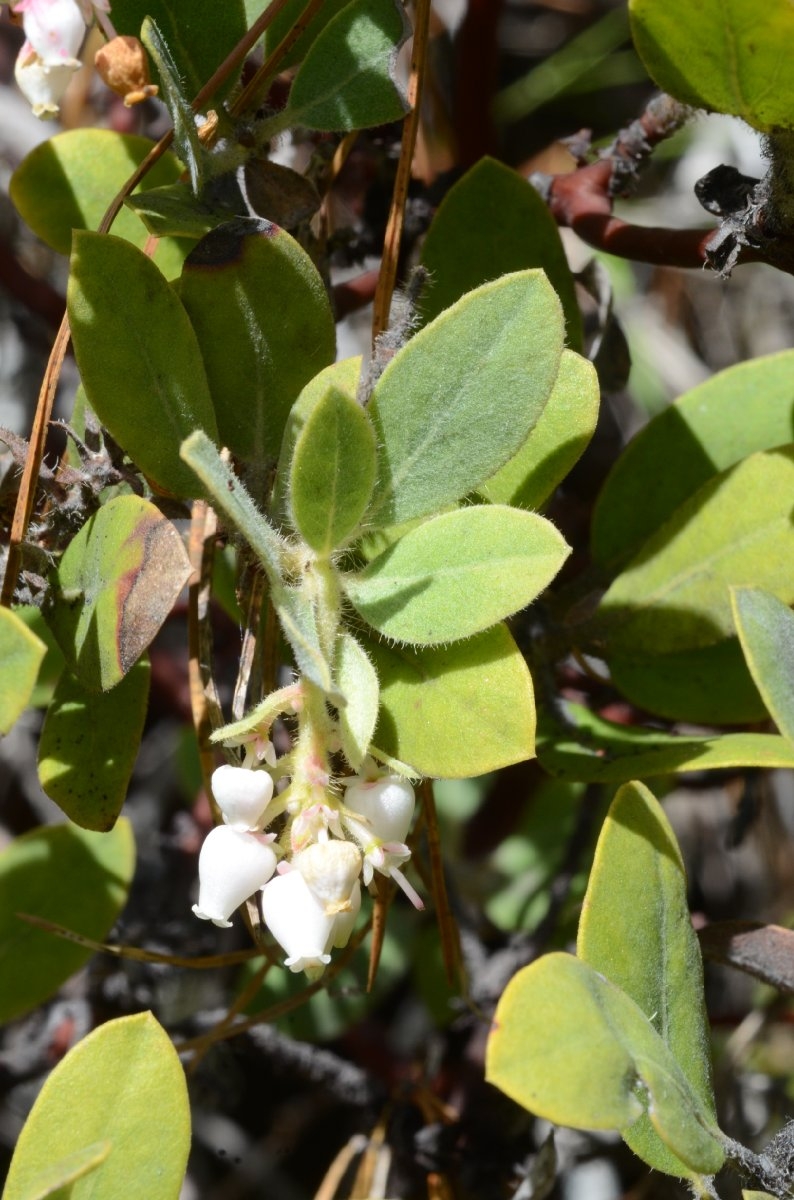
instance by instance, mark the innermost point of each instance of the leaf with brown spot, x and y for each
(117, 583)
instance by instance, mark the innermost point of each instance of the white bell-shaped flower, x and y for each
(387, 804)
(232, 866)
(43, 85)
(242, 795)
(298, 922)
(55, 28)
(330, 868)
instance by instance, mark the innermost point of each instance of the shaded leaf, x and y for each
(707, 686)
(740, 66)
(636, 930)
(572, 1047)
(250, 286)
(279, 193)
(174, 210)
(68, 182)
(457, 574)
(357, 681)
(557, 441)
(21, 655)
(281, 26)
(122, 1084)
(492, 222)
(735, 530)
(598, 751)
(138, 356)
(89, 744)
(457, 710)
(53, 662)
(766, 631)
(63, 874)
(348, 78)
(458, 401)
(117, 582)
(332, 472)
(747, 408)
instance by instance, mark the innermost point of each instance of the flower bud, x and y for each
(242, 795)
(298, 922)
(122, 64)
(232, 866)
(386, 803)
(330, 869)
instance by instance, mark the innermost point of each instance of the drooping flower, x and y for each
(43, 85)
(298, 922)
(242, 795)
(378, 814)
(233, 865)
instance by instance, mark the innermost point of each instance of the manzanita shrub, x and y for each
(384, 520)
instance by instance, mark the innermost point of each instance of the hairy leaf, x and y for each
(766, 631)
(21, 655)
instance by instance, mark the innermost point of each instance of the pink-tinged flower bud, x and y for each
(386, 803)
(331, 869)
(55, 28)
(232, 866)
(298, 922)
(43, 85)
(242, 795)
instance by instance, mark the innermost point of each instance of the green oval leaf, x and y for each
(457, 710)
(89, 744)
(766, 631)
(730, 58)
(735, 530)
(138, 356)
(458, 574)
(21, 655)
(249, 286)
(117, 582)
(122, 1084)
(458, 401)
(357, 681)
(53, 662)
(572, 1047)
(594, 750)
(69, 180)
(746, 408)
(61, 874)
(492, 222)
(333, 472)
(556, 443)
(636, 930)
(707, 686)
(287, 17)
(348, 78)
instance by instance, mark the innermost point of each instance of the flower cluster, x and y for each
(310, 879)
(54, 34)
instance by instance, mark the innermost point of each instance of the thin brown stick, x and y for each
(447, 926)
(204, 701)
(208, 962)
(256, 592)
(394, 227)
(287, 1005)
(340, 1166)
(30, 474)
(380, 909)
(256, 86)
(240, 1002)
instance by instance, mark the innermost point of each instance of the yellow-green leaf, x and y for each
(61, 874)
(574, 1048)
(766, 630)
(636, 930)
(21, 655)
(122, 1084)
